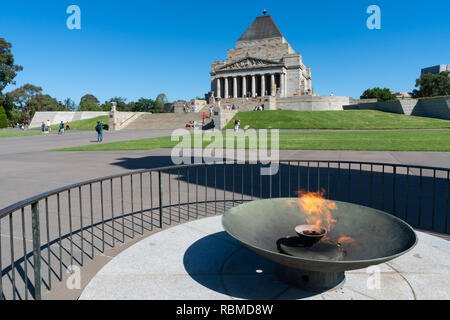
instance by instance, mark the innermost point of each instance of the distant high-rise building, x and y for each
(436, 69)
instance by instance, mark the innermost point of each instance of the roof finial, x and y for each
(265, 12)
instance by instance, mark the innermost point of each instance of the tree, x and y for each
(3, 118)
(144, 105)
(89, 98)
(21, 96)
(8, 70)
(379, 94)
(70, 104)
(432, 85)
(89, 106)
(160, 101)
(15, 116)
(44, 102)
(121, 104)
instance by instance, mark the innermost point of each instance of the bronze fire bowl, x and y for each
(265, 226)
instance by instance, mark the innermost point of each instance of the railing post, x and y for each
(160, 199)
(394, 189)
(36, 250)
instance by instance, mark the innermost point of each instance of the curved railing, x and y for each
(51, 232)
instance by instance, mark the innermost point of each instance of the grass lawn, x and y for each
(351, 119)
(18, 134)
(87, 124)
(434, 140)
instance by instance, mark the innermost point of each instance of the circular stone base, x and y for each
(199, 261)
(310, 280)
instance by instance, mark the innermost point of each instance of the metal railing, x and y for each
(45, 235)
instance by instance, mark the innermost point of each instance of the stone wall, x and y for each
(222, 118)
(433, 108)
(58, 116)
(272, 49)
(312, 103)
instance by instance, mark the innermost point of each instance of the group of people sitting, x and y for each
(259, 108)
(203, 125)
(233, 107)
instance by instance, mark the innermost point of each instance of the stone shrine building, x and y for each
(262, 64)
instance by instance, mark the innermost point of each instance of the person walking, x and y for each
(236, 124)
(99, 129)
(67, 126)
(48, 126)
(61, 128)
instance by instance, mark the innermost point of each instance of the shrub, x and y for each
(3, 118)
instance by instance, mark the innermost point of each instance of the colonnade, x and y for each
(255, 85)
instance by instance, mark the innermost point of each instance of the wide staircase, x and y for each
(244, 104)
(161, 121)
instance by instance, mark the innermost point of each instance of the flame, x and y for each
(316, 208)
(344, 239)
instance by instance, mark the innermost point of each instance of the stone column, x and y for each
(244, 86)
(253, 85)
(263, 85)
(273, 87)
(282, 84)
(218, 88)
(235, 91)
(226, 88)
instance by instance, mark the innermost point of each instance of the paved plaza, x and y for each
(27, 167)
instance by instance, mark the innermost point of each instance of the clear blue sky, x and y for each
(138, 49)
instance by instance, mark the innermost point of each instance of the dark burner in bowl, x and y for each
(322, 250)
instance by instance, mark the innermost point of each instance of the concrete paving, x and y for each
(199, 261)
(27, 168)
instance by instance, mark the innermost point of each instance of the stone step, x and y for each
(164, 121)
(243, 104)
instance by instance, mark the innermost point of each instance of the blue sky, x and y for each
(138, 49)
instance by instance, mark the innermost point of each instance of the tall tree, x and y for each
(432, 85)
(8, 69)
(89, 102)
(160, 101)
(89, 98)
(70, 104)
(379, 94)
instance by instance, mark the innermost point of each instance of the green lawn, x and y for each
(351, 119)
(434, 140)
(87, 124)
(18, 134)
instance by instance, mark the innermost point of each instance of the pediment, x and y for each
(249, 63)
